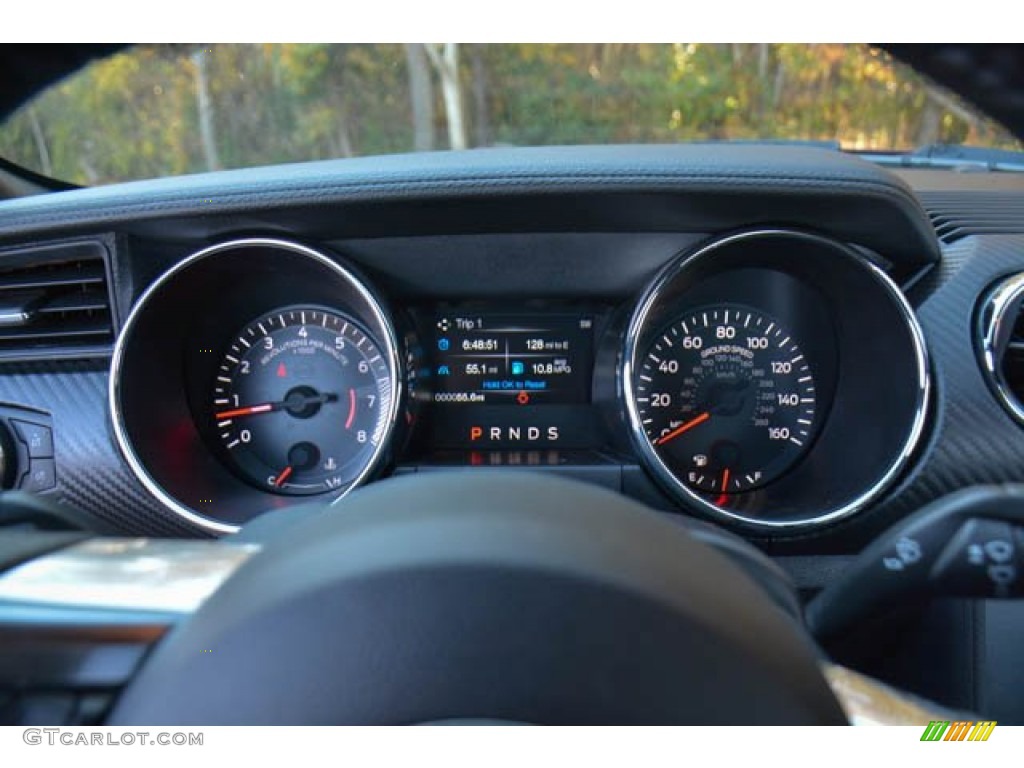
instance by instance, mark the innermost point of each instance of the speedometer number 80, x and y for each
(727, 399)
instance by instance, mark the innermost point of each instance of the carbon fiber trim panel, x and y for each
(91, 475)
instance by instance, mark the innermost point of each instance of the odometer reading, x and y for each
(300, 401)
(726, 399)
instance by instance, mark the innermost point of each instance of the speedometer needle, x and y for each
(683, 428)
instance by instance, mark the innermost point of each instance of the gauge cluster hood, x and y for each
(668, 188)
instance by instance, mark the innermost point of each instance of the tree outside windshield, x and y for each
(167, 110)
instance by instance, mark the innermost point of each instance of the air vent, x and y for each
(1001, 342)
(55, 302)
(956, 215)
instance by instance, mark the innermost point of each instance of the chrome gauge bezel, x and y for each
(369, 303)
(993, 330)
(638, 329)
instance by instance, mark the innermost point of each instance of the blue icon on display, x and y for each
(443, 344)
(442, 370)
(518, 369)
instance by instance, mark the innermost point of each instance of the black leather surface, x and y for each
(493, 595)
(709, 184)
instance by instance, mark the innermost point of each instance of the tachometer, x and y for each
(300, 401)
(726, 399)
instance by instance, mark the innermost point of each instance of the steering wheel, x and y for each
(494, 597)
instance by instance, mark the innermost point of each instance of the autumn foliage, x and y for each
(164, 110)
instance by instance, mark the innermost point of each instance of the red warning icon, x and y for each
(523, 398)
(281, 371)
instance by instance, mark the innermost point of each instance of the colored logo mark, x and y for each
(959, 730)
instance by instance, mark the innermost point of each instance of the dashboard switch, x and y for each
(37, 437)
(26, 437)
(41, 476)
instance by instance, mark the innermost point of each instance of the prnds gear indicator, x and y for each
(512, 360)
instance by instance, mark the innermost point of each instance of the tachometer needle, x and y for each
(284, 475)
(296, 400)
(685, 427)
(249, 411)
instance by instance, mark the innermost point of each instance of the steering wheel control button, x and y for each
(905, 563)
(982, 560)
(967, 544)
(907, 552)
(37, 437)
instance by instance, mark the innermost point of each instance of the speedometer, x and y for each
(726, 399)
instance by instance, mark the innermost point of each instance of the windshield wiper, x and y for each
(957, 157)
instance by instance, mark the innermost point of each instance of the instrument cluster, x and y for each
(753, 385)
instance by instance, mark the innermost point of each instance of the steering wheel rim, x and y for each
(502, 596)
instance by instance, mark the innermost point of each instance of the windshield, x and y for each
(165, 110)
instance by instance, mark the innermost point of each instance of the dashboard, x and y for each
(789, 343)
(772, 339)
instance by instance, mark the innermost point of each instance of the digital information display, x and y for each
(513, 360)
(506, 381)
